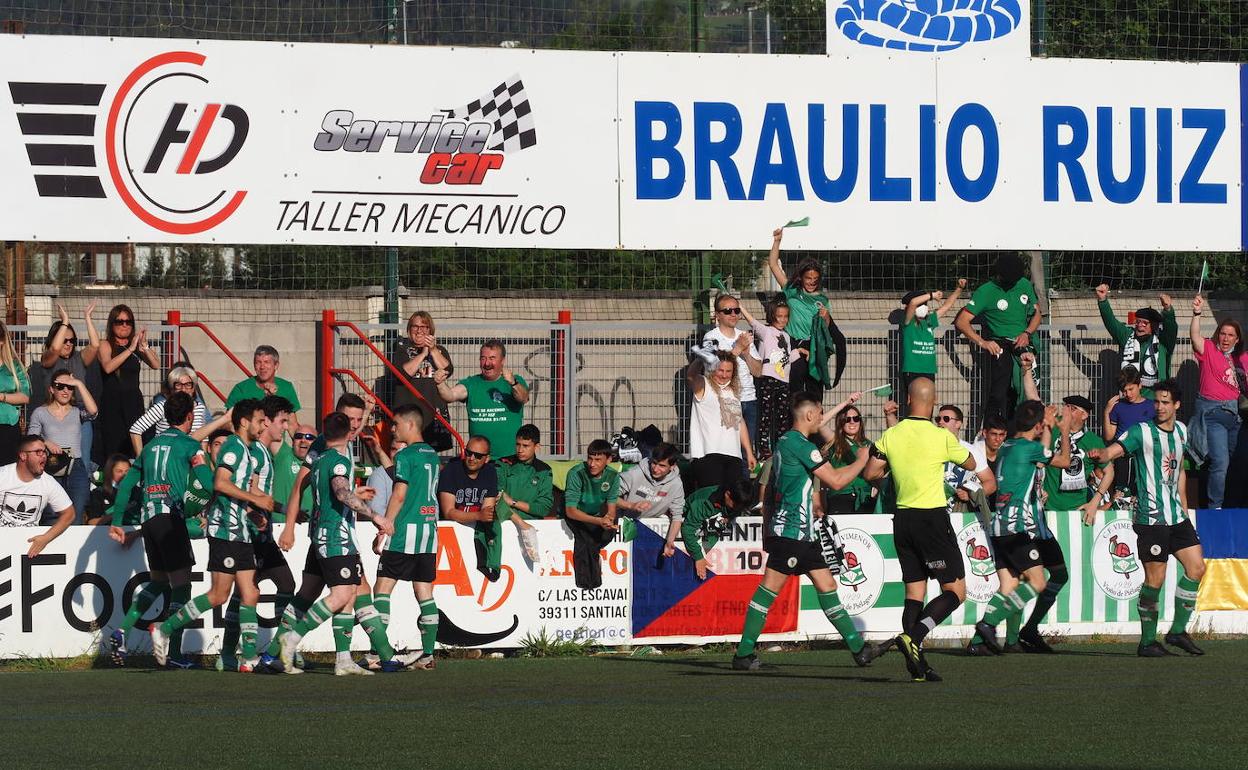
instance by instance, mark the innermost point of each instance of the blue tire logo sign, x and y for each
(926, 26)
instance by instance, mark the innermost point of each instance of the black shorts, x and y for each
(1017, 553)
(167, 543)
(1155, 542)
(413, 567)
(335, 570)
(230, 556)
(926, 546)
(793, 557)
(268, 555)
(1051, 554)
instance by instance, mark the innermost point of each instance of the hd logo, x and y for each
(166, 140)
(926, 26)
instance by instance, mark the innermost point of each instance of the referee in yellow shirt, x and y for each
(917, 449)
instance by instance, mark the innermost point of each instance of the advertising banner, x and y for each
(982, 29)
(57, 603)
(109, 139)
(922, 153)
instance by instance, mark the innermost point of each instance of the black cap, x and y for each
(1150, 315)
(1079, 401)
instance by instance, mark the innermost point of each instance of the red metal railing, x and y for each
(330, 322)
(174, 318)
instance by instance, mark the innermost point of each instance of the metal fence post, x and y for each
(324, 380)
(570, 389)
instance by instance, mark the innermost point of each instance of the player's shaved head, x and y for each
(921, 397)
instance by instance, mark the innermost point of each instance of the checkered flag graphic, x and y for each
(507, 107)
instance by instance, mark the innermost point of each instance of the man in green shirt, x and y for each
(525, 492)
(1148, 345)
(1018, 524)
(1162, 526)
(708, 514)
(411, 552)
(495, 398)
(918, 331)
(164, 472)
(231, 555)
(790, 539)
(287, 461)
(266, 362)
(589, 496)
(1009, 313)
(334, 560)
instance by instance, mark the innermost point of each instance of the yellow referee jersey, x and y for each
(917, 450)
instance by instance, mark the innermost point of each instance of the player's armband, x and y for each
(877, 454)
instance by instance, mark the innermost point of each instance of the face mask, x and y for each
(921, 311)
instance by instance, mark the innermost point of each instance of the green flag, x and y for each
(803, 222)
(883, 391)
(717, 281)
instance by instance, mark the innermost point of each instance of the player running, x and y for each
(334, 560)
(790, 539)
(1161, 522)
(917, 450)
(270, 561)
(411, 552)
(231, 555)
(166, 470)
(1018, 525)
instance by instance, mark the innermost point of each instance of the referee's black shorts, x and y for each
(927, 546)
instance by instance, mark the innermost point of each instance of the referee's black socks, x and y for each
(934, 614)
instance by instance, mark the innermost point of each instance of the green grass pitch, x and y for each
(1092, 705)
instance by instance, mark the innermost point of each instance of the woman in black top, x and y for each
(121, 402)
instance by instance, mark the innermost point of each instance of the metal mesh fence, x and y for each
(636, 376)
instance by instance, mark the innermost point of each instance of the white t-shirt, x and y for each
(717, 340)
(707, 433)
(22, 502)
(960, 477)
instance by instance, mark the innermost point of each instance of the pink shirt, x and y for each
(1217, 373)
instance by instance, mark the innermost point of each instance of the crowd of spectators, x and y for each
(73, 416)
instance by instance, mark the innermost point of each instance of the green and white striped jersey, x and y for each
(227, 517)
(1019, 481)
(332, 525)
(416, 525)
(1157, 457)
(792, 471)
(264, 474)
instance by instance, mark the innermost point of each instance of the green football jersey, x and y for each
(1004, 312)
(264, 476)
(918, 344)
(166, 469)
(792, 472)
(803, 309)
(704, 514)
(416, 526)
(1157, 457)
(1018, 488)
(1069, 488)
(494, 412)
(227, 517)
(332, 524)
(591, 494)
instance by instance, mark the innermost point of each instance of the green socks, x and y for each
(344, 623)
(428, 623)
(755, 617)
(368, 617)
(1148, 614)
(295, 610)
(381, 602)
(1008, 607)
(141, 603)
(316, 615)
(1184, 603)
(178, 598)
(844, 625)
(187, 615)
(248, 625)
(1013, 623)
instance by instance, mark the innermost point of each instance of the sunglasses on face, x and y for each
(62, 386)
(731, 311)
(305, 437)
(70, 341)
(476, 455)
(946, 418)
(852, 418)
(124, 322)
